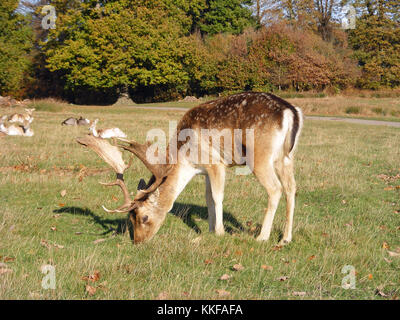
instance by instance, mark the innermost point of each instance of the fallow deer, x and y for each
(22, 118)
(16, 130)
(276, 126)
(106, 133)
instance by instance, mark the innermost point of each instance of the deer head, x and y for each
(145, 211)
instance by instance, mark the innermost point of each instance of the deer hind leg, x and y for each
(285, 171)
(268, 178)
(215, 181)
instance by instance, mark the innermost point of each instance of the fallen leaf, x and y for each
(208, 261)
(8, 259)
(114, 198)
(370, 276)
(283, 278)
(63, 193)
(388, 189)
(311, 257)
(237, 267)
(238, 252)
(58, 246)
(276, 248)
(93, 277)
(44, 243)
(393, 254)
(162, 296)
(222, 293)
(61, 204)
(91, 290)
(385, 245)
(225, 277)
(268, 268)
(299, 293)
(98, 241)
(53, 228)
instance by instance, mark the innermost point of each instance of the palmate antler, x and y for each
(113, 156)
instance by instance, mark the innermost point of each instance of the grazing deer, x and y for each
(16, 130)
(21, 118)
(106, 133)
(276, 125)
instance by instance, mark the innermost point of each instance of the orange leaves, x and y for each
(267, 268)
(91, 290)
(93, 277)
(208, 261)
(385, 245)
(311, 257)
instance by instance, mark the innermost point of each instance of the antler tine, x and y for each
(128, 204)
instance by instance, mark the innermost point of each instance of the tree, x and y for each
(376, 42)
(106, 48)
(15, 45)
(226, 16)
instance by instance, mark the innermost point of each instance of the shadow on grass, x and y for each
(117, 226)
(189, 213)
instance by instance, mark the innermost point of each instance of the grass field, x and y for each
(347, 213)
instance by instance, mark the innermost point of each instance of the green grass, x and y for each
(344, 215)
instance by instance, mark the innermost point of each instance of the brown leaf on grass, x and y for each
(238, 267)
(63, 193)
(283, 278)
(162, 296)
(44, 243)
(91, 290)
(208, 261)
(385, 245)
(268, 268)
(299, 293)
(98, 241)
(114, 198)
(53, 228)
(93, 277)
(276, 248)
(370, 276)
(222, 293)
(311, 257)
(61, 205)
(238, 252)
(9, 259)
(225, 277)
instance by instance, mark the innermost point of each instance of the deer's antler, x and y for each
(113, 157)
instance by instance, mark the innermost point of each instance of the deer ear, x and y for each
(142, 185)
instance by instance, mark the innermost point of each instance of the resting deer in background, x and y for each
(16, 130)
(276, 126)
(22, 118)
(106, 133)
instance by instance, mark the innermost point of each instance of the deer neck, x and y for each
(174, 184)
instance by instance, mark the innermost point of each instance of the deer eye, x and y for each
(145, 219)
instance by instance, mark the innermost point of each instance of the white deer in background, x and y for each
(106, 133)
